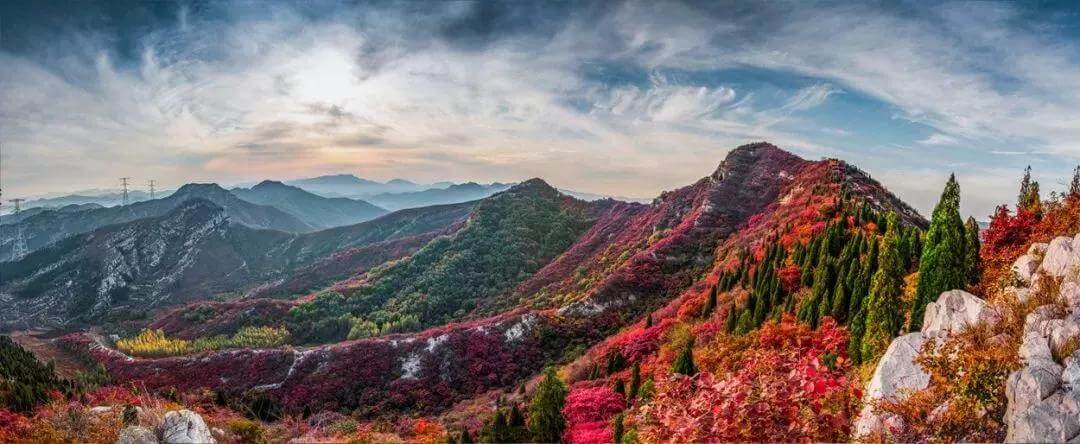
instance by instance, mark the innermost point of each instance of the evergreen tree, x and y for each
(619, 387)
(24, 381)
(617, 428)
(730, 323)
(856, 328)
(972, 260)
(1024, 197)
(1074, 186)
(684, 363)
(516, 422)
(884, 316)
(648, 321)
(710, 304)
(497, 430)
(595, 373)
(745, 323)
(840, 302)
(942, 267)
(546, 422)
(635, 381)
(466, 438)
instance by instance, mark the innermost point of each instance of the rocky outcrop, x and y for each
(897, 373)
(136, 435)
(1043, 395)
(185, 427)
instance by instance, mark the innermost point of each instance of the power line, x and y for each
(16, 202)
(151, 182)
(124, 183)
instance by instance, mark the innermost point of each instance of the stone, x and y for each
(1062, 334)
(1060, 257)
(1055, 419)
(1024, 268)
(101, 409)
(953, 311)
(136, 435)
(1022, 294)
(896, 373)
(185, 427)
(1070, 378)
(1070, 293)
(1029, 386)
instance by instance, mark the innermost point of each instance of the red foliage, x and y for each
(112, 395)
(790, 277)
(1008, 234)
(13, 426)
(792, 387)
(588, 413)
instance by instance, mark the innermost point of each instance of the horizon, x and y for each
(622, 98)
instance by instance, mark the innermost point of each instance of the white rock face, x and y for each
(185, 427)
(953, 311)
(1024, 267)
(1044, 395)
(136, 435)
(896, 372)
(1060, 257)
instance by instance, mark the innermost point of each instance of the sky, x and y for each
(620, 98)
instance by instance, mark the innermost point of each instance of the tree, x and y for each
(516, 422)
(635, 381)
(466, 438)
(942, 265)
(884, 316)
(729, 324)
(710, 304)
(497, 430)
(1074, 186)
(972, 260)
(619, 387)
(648, 321)
(546, 422)
(684, 363)
(617, 428)
(1025, 189)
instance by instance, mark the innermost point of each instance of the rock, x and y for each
(1035, 346)
(185, 427)
(136, 435)
(1070, 293)
(1068, 329)
(953, 311)
(1024, 268)
(1029, 386)
(1061, 256)
(896, 372)
(1055, 419)
(1021, 294)
(1070, 378)
(100, 410)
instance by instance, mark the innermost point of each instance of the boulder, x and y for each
(1054, 419)
(1060, 337)
(1060, 257)
(896, 373)
(185, 427)
(100, 410)
(1070, 378)
(1070, 293)
(1024, 268)
(136, 435)
(953, 311)
(1022, 294)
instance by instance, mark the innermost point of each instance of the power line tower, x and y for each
(124, 184)
(16, 202)
(151, 183)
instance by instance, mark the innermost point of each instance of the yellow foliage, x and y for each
(155, 344)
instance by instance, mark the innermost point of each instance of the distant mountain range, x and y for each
(437, 196)
(348, 185)
(317, 211)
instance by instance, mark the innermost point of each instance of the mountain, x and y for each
(317, 211)
(34, 232)
(193, 252)
(348, 185)
(24, 214)
(531, 277)
(436, 196)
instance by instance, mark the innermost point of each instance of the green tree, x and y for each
(942, 267)
(617, 428)
(635, 381)
(648, 321)
(619, 387)
(972, 260)
(884, 315)
(497, 430)
(546, 422)
(710, 304)
(730, 322)
(466, 438)
(1074, 186)
(516, 422)
(684, 363)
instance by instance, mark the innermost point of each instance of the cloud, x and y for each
(939, 139)
(810, 97)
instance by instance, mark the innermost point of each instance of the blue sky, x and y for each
(623, 98)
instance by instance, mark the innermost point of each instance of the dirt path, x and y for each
(67, 366)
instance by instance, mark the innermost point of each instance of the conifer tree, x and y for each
(745, 322)
(972, 260)
(942, 267)
(856, 328)
(684, 363)
(497, 430)
(710, 304)
(617, 428)
(466, 438)
(884, 316)
(1074, 186)
(516, 421)
(730, 323)
(635, 381)
(840, 301)
(648, 321)
(546, 422)
(619, 387)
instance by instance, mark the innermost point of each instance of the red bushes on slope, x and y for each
(589, 411)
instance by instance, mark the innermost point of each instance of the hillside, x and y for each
(42, 229)
(316, 211)
(602, 274)
(193, 253)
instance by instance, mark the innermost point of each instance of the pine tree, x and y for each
(840, 301)
(730, 323)
(619, 387)
(972, 260)
(595, 373)
(635, 381)
(1025, 189)
(497, 430)
(745, 323)
(516, 422)
(942, 265)
(546, 422)
(684, 363)
(710, 304)
(466, 438)
(617, 428)
(884, 316)
(648, 321)
(1074, 186)
(856, 328)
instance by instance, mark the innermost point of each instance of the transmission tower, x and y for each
(17, 202)
(124, 184)
(151, 183)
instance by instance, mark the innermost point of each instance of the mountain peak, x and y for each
(535, 184)
(270, 184)
(744, 156)
(200, 189)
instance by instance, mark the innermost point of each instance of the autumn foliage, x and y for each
(588, 412)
